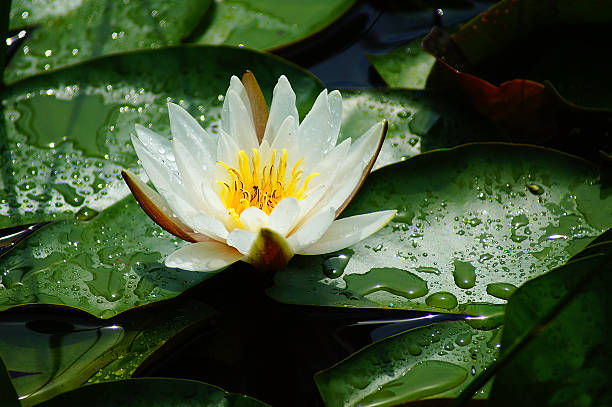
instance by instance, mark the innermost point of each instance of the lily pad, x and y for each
(405, 67)
(268, 24)
(436, 361)
(85, 29)
(50, 351)
(152, 393)
(556, 312)
(468, 218)
(418, 121)
(68, 132)
(69, 136)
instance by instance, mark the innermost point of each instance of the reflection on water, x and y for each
(45, 352)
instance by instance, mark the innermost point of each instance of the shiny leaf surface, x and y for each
(434, 361)
(472, 223)
(265, 24)
(77, 30)
(50, 350)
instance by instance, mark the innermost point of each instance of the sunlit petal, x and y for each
(203, 256)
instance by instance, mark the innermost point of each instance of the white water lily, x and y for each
(263, 187)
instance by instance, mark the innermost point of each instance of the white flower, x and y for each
(264, 187)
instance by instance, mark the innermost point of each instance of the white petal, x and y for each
(242, 240)
(350, 173)
(227, 149)
(283, 106)
(335, 113)
(348, 231)
(315, 138)
(284, 215)
(180, 207)
(237, 87)
(190, 171)
(160, 174)
(209, 226)
(253, 219)
(203, 256)
(241, 125)
(197, 141)
(330, 163)
(157, 146)
(214, 204)
(312, 230)
(286, 136)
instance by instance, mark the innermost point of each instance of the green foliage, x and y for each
(262, 24)
(467, 221)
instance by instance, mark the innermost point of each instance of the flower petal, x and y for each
(334, 99)
(352, 173)
(159, 172)
(348, 231)
(240, 124)
(241, 239)
(237, 87)
(253, 219)
(203, 256)
(284, 215)
(209, 226)
(283, 106)
(314, 136)
(156, 207)
(157, 146)
(197, 141)
(312, 230)
(257, 102)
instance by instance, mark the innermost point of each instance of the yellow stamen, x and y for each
(263, 188)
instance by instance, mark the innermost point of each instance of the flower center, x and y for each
(261, 187)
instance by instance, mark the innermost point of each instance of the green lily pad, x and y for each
(558, 311)
(405, 67)
(418, 121)
(90, 28)
(69, 136)
(436, 361)
(68, 132)
(469, 219)
(152, 393)
(8, 395)
(267, 24)
(51, 352)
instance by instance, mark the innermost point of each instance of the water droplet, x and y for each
(334, 266)
(441, 299)
(464, 274)
(426, 269)
(501, 290)
(393, 280)
(85, 213)
(519, 221)
(69, 194)
(535, 189)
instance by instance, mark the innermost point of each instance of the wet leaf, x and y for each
(465, 221)
(74, 31)
(69, 137)
(405, 67)
(434, 361)
(418, 121)
(564, 309)
(8, 396)
(152, 393)
(264, 24)
(52, 350)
